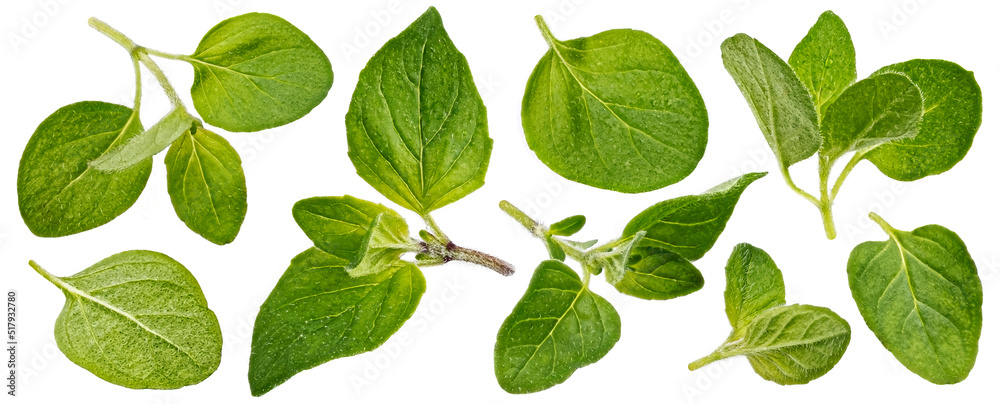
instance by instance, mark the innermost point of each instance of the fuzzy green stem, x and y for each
(714, 356)
(882, 223)
(45, 274)
(138, 85)
(536, 229)
(843, 174)
(546, 33)
(434, 228)
(168, 89)
(142, 54)
(791, 184)
(825, 201)
(112, 33)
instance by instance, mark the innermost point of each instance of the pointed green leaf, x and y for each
(920, 293)
(753, 284)
(337, 225)
(615, 111)
(874, 111)
(317, 313)
(780, 102)
(138, 319)
(257, 71)
(659, 274)
(206, 185)
(690, 225)
(556, 252)
(824, 61)
(568, 226)
(953, 110)
(416, 126)
(159, 136)
(58, 192)
(386, 240)
(614, 263)
(557, 327)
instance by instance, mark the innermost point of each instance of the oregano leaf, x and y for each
(257, 71)
(416, 126)
(753, 285)
(781, 103)
(659, 274)
(614, 263)
(614, 111)
(920, 293)
(387, 239)
(138, 319)
(557, 327)
(206, 185)
(825, 61)
(568, 226)
(58, 192)
(556, 251)
(161, 135)
(317, 313)
(337, 225)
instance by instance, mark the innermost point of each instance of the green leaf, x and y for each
(614, 262)
(140, 148)
(556, 251)
(416, 126)
(138, 319)
(953, 109)
(920, 294)
(874, 111)
(206, 185)
(659, 274)
(780, 102)
(824, 61)
(568, 226)
(690, 225)
(317, 313)
(337, 225)
(557, 327)
(58, 192)
(257, 71)
(792, 344)
(614, 111)
(386, 240)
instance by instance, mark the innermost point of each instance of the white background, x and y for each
(448, 356)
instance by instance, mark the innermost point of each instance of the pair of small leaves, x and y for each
(920, 294)
(334, 301)
(563, 228)
(138, 319)
(791, 344)
(615, 111)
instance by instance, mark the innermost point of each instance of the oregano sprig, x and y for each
(88, 162)
(910, 119)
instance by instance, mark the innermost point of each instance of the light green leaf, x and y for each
(337, 225)
(317, 313)
(206, 185)
(416, 126)
(614, 262)
(58, 192)
(824, 61)
(386, 240)
(614, 111)
(659, 274)
(874, 111)
(792, 344)
(138, 319)
(920, 293)
(557, 327)
(690, 225)
(556, 251)
(780, 102)
(140, 148)
(953, 109)
(568, 226)
(257, 71)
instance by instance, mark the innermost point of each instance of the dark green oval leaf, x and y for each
(953, 110)
(58, 192)
(138, 319)
(557, 327)
(690, 225)
(568, 226)
(780, 102)
(317, 313)
(659, 274)
(920, 293)
(257, 71)
(874, 111)
(824, 60)
(416, 126)
(337, 224)
(615, 111)
(206, 185)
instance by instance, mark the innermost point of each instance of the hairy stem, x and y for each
(847, 170)
(714, 356)
(168, 89)
(791, 184)
(825, 200)
(434, 228)
(112, 33)
(451, 252)
(536, 229)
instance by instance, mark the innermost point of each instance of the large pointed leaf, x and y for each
(317, 313)
(138, 319)
(58, 192)
(781, 103)
(557, 327)
(824, 60)
(615, 111)
(753, 284)
(920, 294)
(416, 126)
